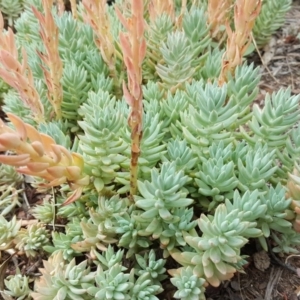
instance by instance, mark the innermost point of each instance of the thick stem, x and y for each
(74, 9)
(135, 153)
(60, 6)
(134, 48)
(136, 135)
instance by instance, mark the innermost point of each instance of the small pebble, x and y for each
(263, 285)
(235, 285)
(261, 260)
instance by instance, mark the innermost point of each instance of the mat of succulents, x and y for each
(149, 149)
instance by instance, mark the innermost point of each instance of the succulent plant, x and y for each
(294, 196)
(32, 239)
(42, 157)
(57, 130)
(62, 280)
(274, 218)
(16, 287)
(100, 230)
(264, 25)
(145, 112)
(8, 231)
(109, 258)
(111, 284)
(164, 193)
(44, 212)
(173, 233)
(11, 9)
(188, 285)
(182, 154)
(102, 143)
(255, 172)
(249, 204)
(144, 289)
(9, 198)
(73, 228)
(151, 268)
(277, 117)
(216, 177)
(9, 175)
(62, 243)
(287, 242)
(289, 155)
(77, 209)
(217, 251)
(128, 228)
(94, 237)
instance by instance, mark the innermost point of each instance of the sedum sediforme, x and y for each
(207, 155)
(217, 251)
(102, 144)
(9, 175)
(9, 199)
(188, 285)
(16, 287)
(11, 9)
(32, 239)
(265, 25)
(61, 280)
(275, 217)
(8, 230)
(111, 284)
(101, 228)
(63, 243)
(151, 268)
(164, 193)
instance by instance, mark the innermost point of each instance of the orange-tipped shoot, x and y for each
(238, 41)
(38, 155)
(133, 45)
(18, 75)
(52, 63)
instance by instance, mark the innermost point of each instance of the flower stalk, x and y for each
(74, 9)
(218, 14)
(53, 68)
(238, 41)
(18, 76)
(60, 6)
(96, 16)
(157, 8)
(133, 45)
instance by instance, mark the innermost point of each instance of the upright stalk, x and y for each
(133, 46)
(239, 39)
(52, 63)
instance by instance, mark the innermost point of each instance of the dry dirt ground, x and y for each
(280, 68)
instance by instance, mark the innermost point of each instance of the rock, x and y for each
(261, 260)
(235, 285)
